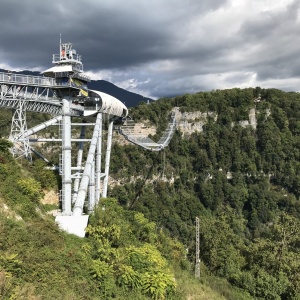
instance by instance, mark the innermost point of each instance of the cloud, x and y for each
(160, 48)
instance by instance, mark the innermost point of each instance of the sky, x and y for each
(160, 48)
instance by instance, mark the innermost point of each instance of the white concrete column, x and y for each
(66, 159)
(78, 207)
(92, 189)
(107, 158)
(79, 163)
(98, 162)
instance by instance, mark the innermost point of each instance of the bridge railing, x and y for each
(144, 141)
(13, 78)
(26, 79)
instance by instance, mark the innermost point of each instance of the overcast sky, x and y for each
(160, 48)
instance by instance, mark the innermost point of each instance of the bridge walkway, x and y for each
(140, 139)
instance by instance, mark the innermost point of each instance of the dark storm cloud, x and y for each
(159, 48)
(276, 35)
(109, 33)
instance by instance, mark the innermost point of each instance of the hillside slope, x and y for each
(124, 255)
(233, 162)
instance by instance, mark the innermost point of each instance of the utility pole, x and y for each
(197, 266)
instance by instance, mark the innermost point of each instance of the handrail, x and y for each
(147, 143)
(14, 78)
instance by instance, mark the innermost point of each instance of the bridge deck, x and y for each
(128, 131)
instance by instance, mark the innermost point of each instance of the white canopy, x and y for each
(58, 69)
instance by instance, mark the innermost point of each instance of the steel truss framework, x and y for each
(37, 99)
(21, 148)
(40, 94)
(31, 93)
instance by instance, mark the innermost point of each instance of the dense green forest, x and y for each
(250, 219)
(243, 182)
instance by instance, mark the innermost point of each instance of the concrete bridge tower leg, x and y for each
(98, 162)
(107, 158)
(66, 159)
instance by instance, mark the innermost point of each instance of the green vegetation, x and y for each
(126, 250)
(242, 182)
(124, 256)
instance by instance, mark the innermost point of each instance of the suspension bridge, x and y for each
(62, 92)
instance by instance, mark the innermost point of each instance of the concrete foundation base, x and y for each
(73, 224)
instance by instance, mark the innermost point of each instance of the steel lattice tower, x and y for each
(19, 126)
(197, 265)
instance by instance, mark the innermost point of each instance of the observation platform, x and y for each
(14, 78)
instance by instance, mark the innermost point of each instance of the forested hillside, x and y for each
(238, 171)
(124, 255)
(242, 181)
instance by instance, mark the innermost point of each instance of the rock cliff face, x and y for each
(252, 120)
(189, 122)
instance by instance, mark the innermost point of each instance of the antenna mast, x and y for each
(197, 266)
